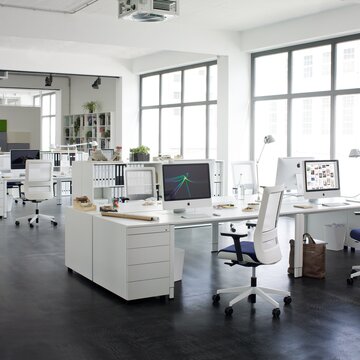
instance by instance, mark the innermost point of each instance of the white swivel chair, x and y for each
(264, 250)
(354, 241)
(38, 186)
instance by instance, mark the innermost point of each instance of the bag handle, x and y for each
(307, 238)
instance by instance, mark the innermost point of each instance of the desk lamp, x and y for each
(268, 139)
(354, 153)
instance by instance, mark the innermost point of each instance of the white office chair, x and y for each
(354, 240)
(264, 250)
(38, 186)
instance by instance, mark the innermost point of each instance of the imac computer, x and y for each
(186, 185)
(290, 174)
(18, 158)
(321, 179)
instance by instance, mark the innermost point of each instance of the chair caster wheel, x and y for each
(287, 300)
(29, 219)
(216, 298)
(54, 223)
(276, 313)
(31, 225)
(252, 298)
(17, 223)
(15, 201)
(350, 281)
(228, 311)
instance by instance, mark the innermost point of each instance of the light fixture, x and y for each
(96, 83)
(48, 80)
(354, 153)
(268, 139)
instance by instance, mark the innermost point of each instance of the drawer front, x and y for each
(148, 255)
(148, 271)
(146, 240)
(147, 230)
(148, 288)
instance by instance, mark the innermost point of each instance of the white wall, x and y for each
(22, 119)
(82, 92)
(333, 23)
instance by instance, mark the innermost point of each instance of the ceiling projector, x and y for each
(148, 10)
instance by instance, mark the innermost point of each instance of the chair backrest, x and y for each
(140, 183)
(266, 242)
(244, 174)
(38, 183)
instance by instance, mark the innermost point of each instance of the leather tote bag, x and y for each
(314, 258)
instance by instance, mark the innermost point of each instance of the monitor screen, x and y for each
(108, 153)
(321, 179)
(18, 157)
(186, 185)
(140, 183)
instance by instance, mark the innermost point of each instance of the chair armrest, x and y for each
(236, 238)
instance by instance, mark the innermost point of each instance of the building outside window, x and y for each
(316, 89)
(178, 111)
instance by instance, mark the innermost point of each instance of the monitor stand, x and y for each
(187, 215)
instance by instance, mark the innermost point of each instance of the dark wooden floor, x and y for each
(48, 313)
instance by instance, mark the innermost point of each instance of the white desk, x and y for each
(58, 179)
(135, 259)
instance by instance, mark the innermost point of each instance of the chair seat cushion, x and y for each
(247, 249)
(355, 234)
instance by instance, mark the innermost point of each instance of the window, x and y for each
(178, 111)
(48, 120)
(311, 106)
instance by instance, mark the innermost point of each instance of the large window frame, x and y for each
(289, 96)
(49, 118)
(182, 104)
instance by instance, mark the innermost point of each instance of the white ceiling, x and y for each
(101, 17)
(235, 15)
(65, 6)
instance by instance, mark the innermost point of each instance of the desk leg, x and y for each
(172, 261)
(215, 237)
(58, 191)
(298, 250)
(5, 204)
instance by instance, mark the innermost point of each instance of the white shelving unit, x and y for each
(82, 128)
(101, 180)
(98, 180)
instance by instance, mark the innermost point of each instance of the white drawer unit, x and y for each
(132, 262)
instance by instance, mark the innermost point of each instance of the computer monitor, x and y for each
(108, 153)
(186, 185)
(140, 183)
(18, 157)
(290, 174)
(321, 179)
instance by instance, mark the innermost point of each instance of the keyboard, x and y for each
(194, 216)
(334, 204)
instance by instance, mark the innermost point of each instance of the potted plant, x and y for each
(91, 106)
(140, 153)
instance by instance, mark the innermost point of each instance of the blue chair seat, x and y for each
(247, 249)
(355, 234)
